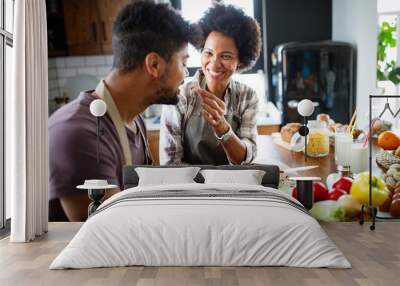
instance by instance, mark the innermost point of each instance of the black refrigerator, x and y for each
(320, 71)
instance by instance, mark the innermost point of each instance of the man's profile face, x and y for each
(175, 73)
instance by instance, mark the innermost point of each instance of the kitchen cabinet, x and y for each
(88, 25)
(81, 27)
(107, 11)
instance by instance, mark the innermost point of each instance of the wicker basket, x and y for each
(385, 159)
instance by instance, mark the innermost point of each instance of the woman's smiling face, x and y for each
(219, 58)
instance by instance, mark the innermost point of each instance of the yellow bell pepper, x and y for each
(360, 190)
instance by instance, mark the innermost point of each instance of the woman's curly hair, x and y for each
(234, 23)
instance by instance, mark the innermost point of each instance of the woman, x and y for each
(215, 119)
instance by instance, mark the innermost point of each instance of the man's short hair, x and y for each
(143, 27)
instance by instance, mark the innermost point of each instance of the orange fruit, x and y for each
(388, 140)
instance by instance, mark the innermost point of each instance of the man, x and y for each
(150, 52)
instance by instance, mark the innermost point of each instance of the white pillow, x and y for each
(166, 176)
(248, 177)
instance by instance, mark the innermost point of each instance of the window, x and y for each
(389, 13)
(6, 44)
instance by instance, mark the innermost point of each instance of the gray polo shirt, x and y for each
(73, 149)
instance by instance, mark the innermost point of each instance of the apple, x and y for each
(360, 190)
(343, 183)
(320, 192)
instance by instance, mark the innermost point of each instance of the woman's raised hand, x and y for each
(213, 111)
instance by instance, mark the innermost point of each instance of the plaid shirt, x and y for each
(175, 117)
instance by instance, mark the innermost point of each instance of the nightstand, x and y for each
(96, 191)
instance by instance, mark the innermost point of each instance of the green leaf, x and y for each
(394, 75)
(380, 75)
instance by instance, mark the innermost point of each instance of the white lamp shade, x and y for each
(305, 107)
(98, 107)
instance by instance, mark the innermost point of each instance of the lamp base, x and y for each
(95, 196)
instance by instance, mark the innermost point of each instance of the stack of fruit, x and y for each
(343, 197)
(392, 179)
(390, 143)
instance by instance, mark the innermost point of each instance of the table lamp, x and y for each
(305, 108)
(98, 108)
(96, 188)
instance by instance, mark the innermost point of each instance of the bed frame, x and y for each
(270, 179)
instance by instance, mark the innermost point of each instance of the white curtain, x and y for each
(26, 123)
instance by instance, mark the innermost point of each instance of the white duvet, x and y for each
(188, 231)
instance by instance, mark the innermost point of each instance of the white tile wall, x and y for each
(95, 61)
(52, 63)
(103, 71)
(109, 60)
(52, 73)
(53, 84)
(61, 82)
(60, 62)
(75, 61)
(63, 69)
(66, 72)
(86, 70)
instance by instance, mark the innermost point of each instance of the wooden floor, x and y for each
(375, 257)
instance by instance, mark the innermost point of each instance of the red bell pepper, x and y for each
(320, 192)
(343, 183)
(336, 194)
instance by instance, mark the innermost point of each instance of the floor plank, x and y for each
(374, 255)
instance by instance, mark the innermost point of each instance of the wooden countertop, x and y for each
(268, 152)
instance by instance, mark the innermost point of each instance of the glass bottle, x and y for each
(317, 139)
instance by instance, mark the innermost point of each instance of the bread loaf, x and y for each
(288, 130)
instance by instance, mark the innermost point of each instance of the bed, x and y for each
(201, 224)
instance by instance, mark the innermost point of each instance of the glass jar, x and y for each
(317, 139)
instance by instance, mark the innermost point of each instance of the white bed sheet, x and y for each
(200, 232)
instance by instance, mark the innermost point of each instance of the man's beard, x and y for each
(166, 95)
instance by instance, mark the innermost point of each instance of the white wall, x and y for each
(356, 22)
(388, 6)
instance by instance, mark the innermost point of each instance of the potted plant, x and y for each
(387, 70)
